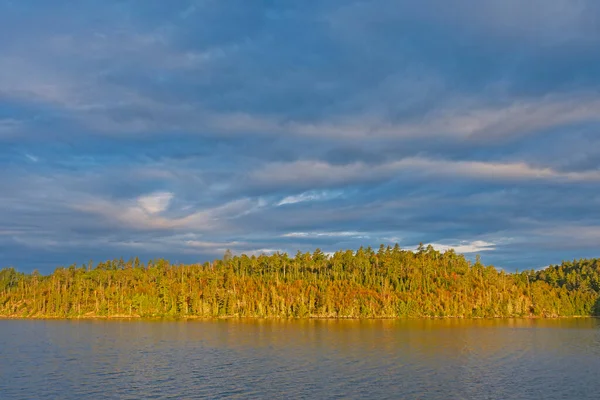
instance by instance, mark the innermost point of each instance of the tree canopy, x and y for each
(384, 283)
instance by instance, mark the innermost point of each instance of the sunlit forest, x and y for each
(384, 283)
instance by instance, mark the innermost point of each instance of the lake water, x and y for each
(316, 359)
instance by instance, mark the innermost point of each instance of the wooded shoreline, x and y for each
(238, 318)
(388, 283)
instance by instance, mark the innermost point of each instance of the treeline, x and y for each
(388, 283)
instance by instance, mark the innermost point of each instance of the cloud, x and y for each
(582, 235)
(308, 196)
(156, 202)
(8, 127)
(358, 235)
(181, 129)
(476, 246)
(119, 98)
(32, 158)
(143, 214)
(322, 174)
(554, 22)
(218, 245)
(510, 18)
(258, 252)
(465, 121)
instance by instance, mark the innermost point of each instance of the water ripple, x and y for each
(237, 359)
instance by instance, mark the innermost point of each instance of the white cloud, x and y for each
(320, 173)
(258, 252)
(134, 215)
(308, 196)
(464, 118)
(31, 157)
(466, 247)
(214, 245)
(155, 203)
(353, 234)
(463, 247)
(392, 239)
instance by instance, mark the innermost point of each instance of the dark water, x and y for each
(423, 359)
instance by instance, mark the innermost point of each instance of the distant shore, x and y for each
(314, 318)
(365, 284)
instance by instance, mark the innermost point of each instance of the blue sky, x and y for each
(180, 129)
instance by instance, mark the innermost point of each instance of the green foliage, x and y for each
(387, 283)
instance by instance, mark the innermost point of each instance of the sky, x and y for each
(180, 129)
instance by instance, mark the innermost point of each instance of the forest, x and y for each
(367, 283)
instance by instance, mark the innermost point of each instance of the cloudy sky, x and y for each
(179, 129)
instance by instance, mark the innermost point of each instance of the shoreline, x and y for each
(192, 318)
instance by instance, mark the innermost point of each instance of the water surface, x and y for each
(420, 359)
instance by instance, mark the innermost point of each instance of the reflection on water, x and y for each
(471, 359)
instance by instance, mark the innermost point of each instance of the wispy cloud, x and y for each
(31, 157)
(308, 196)
(308, 235)
(156, 202)
(322, 174)
(9, 126)
(145, 214)
(476, 246)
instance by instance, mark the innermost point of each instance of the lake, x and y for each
(316, 359)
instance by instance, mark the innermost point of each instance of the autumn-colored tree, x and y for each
(387, 283)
